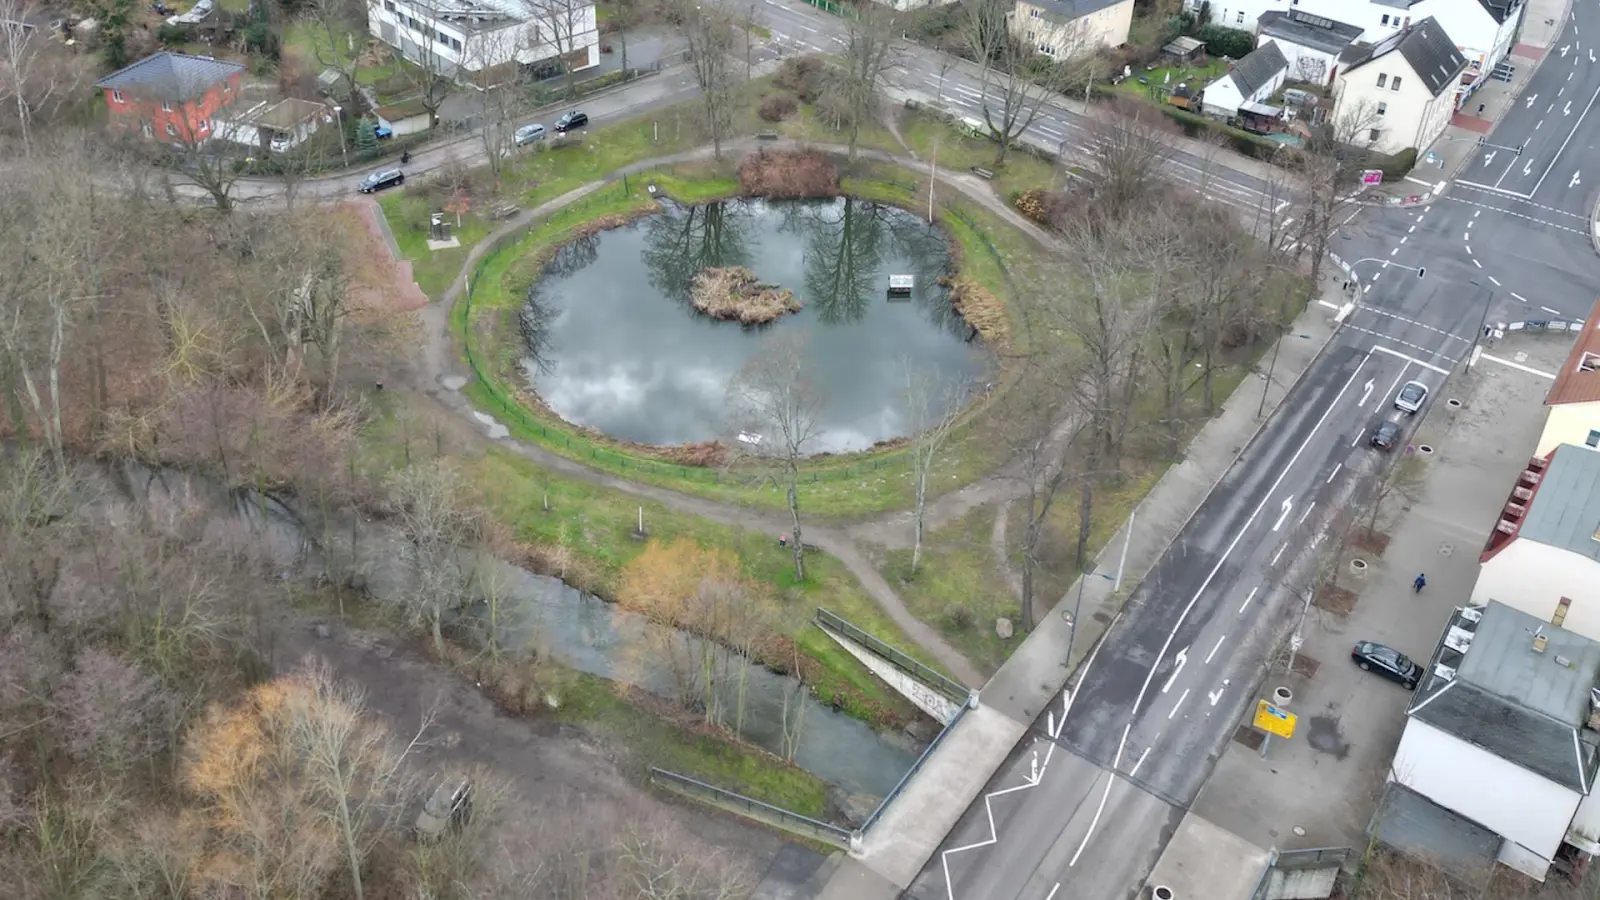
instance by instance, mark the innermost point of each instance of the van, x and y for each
(527, 134)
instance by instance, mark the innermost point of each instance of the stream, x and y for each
(578, 630)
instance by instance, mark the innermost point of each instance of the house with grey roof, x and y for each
(1311, 43)
(1247, 86)
(1502, 735)
(172, 96)
(1062, 29)
(1542, 555)
(1400, 92)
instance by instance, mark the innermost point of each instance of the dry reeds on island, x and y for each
(734, 292)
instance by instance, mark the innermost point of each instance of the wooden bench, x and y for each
(981, 172)
(767, 136)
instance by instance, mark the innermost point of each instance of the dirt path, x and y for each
(439, 375)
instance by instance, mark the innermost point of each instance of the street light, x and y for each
(1356, 282)
(1077, 605)
(344, 152)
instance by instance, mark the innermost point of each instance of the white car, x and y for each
(1411, 397)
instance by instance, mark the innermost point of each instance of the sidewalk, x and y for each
(1319, 788)
(917, 822)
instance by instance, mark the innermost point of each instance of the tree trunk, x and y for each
(917, 518)
(794, 515)
(1085, 514)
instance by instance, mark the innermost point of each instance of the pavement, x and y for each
(1319, 788)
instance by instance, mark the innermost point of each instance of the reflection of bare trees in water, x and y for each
(538, 312)
(928, 249)
(844, 248)
(573, 256)
(686, 239)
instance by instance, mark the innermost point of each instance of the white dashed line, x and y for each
(1519, 297)
(1495, 280)
(1553, 312)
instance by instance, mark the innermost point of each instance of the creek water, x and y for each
(578, 630)
(611, 341)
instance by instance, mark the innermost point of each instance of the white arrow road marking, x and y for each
(1366, 391)
(1531, 99)
(1527, 168)
(1180, 659)
(1216, 695)
(1567, 109)
(1591, 56)
(1563, 51)
(1489, 157)
(1288, 504)
(1574, 181)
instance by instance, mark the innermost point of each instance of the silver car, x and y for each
(1411, 397)
(527, 134)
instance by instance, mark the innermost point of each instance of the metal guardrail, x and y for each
(775, 816)
(915, 768)
(832, 621)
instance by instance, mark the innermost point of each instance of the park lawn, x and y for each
(433, 270)
(956, 150)
(308, 42)
(959, 588)
(594, 705)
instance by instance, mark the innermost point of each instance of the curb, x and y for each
(1594, 225)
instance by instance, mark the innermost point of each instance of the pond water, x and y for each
(578, 630)
(611, 342)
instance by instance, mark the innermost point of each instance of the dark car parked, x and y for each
(1386, 435)
(383, 178)
(571, 120)
(1388, 662)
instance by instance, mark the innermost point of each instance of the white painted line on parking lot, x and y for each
(1518, 366)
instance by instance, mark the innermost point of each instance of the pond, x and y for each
(612, 343)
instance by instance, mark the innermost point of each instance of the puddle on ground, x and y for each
(1324, 736)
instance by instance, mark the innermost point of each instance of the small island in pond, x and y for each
(734, 292)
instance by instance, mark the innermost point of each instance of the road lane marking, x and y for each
(1181, 697)
(1476, 263)
(1518, 366)
(1215, 649)
(1336, 468)
(1181, 659)
(1274, 562)
(1099, 811)
(1052, 894)
(1384, 400)
(1519, 296)
(1411, 359)
(1306, 513)
(1495, 280)
(1554, 312)
(1140, 761)
(1247, 599)
(1216, 695)
(1575, 126)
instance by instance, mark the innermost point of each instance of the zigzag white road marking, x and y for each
(988, 805)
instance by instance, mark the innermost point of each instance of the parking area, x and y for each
(1319, 788)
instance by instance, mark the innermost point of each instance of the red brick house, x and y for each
(171, 95)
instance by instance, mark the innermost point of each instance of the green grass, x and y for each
(956, 150)
(308, 42)
(959, 588)
(593, 704)
(1196, 76)
(433, 270)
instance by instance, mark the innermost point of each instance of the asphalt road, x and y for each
(1553, 122)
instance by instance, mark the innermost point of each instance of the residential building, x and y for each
(1484, 30)
(403, 118)
(1400, 92)
(171, 95)
(278, 126)
(1248, 84)
(1543, 554)
(1501, 732)
(489, 42)
(1574, 399)
(1310, 43)
(1067, 28)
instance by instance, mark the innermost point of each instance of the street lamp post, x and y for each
(344, 150)
(1356, 282)
(1077, 606)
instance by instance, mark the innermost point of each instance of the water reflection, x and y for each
(611, 343)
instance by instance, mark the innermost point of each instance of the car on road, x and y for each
(383, 178)
(528, 134)
(1386, 435)
(570, 121)
(448, 806)
(1388, 662)
(1411, 397)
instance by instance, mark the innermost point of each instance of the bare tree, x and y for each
(1325, 168)
(867, 55)
(1039, 430)
(37, 74)
(1014, 87)
(434, 75)
(1402, 483)
(774, 400)
(711, 41)
(933, 408)
(441, 532)
(333, 20)
(500, 101)
(1129, 148)
(568, 27)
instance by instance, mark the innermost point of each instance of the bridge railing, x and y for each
(945, 686)
(915, 768)
(776, 816)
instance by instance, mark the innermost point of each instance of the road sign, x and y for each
(1273, 720)
(1372, 176)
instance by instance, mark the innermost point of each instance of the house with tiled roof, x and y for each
(1400, 92)
(171, 96)
(1574, 398)
(1248, 84)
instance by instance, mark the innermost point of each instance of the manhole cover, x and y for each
(1424, 448)
(1446, 549)
(1453, 403)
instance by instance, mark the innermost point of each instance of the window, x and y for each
(1239, 19)
(388, 5)
(1395, 84)
(1372, 136)
(1382, 108)
(116, 96)
(455, 45)
(1382, 79)
(1047, 50)
(1593, 440)
(172, 130)
(1385, 20)
(165, 106)
(443, 38)
(1037, 14)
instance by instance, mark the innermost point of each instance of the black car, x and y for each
(1386, 435)
(383, 178)
(570, 121)
(1388, 662)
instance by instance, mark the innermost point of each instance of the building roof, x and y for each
(282, 115)
(1565, 509)
(1501, 10)
(1072, 9)
(1426, 48)
(1419, 827)
(171, 76)
(1579, 378)
(1307, 30)
(1257, 68)
(1490, 686)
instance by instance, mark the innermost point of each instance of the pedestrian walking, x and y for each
(1420, 583)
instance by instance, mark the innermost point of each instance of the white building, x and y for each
(1399, 92)
(1484, 30)
(1574, 399)
(1501, 733)
(1543, 556)
(475, 40)
(1062, 29)
(1310, 43)
(1248, 84)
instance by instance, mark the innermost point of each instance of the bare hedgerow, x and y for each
(113, 714)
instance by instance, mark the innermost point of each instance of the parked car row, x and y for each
(527, 134)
